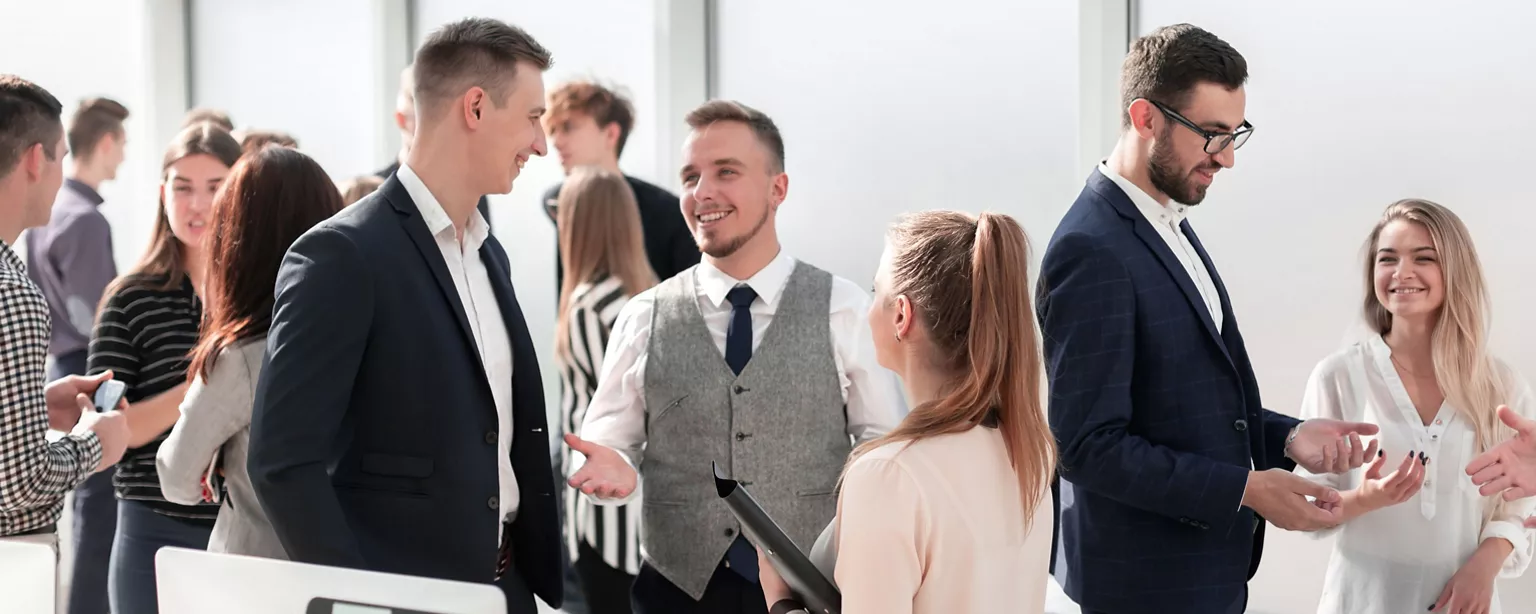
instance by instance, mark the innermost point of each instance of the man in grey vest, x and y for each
(752, 360)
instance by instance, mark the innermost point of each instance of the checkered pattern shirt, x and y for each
(34, 474)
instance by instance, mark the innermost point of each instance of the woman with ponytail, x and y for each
(951, 511)
(1416, 533)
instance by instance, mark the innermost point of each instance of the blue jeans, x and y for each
(140, 534)
(95, 519)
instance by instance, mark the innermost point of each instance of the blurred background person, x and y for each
(1414, 533)
(602, 247)
(253, 140)
(354, 189)
(216, 117)
(589, 124)
(145, 334)
(36, 474)
(71, 261)
(270, 198)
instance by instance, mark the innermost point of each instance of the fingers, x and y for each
(1356, 451)
(1377, 464)
(1482, 462)
(1514, 421)
(1374, 450)
(1530, 523)
(1314, 490)
(1330, 457)
(1443, 604)
(85, 403)
(1487, 473)
(1516, 493)
(578, 444)
(1498, 485)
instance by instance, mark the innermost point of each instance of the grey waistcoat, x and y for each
(780, 427)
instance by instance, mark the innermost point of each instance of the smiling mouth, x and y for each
(1407, 291)
(711, 217)
(197, 224)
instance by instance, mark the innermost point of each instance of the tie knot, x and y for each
(741, 296)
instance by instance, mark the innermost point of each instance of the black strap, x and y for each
(786, 606)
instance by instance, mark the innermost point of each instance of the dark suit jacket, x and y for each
(374, 430)
(484, 206)
(669, 245)
(1157, 414)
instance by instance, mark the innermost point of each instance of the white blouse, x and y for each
(1398, 559)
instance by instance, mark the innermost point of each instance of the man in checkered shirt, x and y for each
(35, 474)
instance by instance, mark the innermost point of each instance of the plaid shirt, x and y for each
(34, 474)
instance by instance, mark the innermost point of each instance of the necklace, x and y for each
(1405, 368)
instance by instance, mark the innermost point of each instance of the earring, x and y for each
(898, 337)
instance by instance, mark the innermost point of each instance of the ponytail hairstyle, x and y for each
(968, 280)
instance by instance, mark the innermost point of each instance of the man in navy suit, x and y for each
(1169, 464)
(399, 420)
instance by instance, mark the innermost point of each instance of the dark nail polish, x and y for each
(1381, 453)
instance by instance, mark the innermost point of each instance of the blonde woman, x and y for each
(602, 252)
(1416, 534)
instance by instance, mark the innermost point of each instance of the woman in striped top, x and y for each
(145, 334)
(602, 252)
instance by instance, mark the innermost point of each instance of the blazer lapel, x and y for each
(1221, 288)
(1117, 198)
(525, 374)
(426, 245)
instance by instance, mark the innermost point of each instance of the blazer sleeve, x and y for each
(1088, 323)
(320, 322)
(213, 411)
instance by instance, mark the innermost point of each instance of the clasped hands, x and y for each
(1320, 446)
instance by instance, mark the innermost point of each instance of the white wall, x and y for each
(107, 53)
(891, 107)
(312, 69)
(1356, 105)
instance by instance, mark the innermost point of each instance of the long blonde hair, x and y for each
(600, 235)
(968, 278)
(1467, 373)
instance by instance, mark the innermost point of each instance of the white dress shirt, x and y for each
(616, 416)
(1166, 219)
(473, 282)
(1398, 559)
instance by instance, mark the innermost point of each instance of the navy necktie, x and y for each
(742, 558)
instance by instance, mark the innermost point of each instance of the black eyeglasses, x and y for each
(1215, 142)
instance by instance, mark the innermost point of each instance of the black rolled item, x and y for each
(809, 585)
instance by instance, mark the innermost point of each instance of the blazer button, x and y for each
(730, 532)
(1241, 424)
(490, 437)
(493, 503)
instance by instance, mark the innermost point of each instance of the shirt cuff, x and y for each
(1518, 536)
(87, 450)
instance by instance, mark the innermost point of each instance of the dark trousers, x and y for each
(1238, 607)
(140, 534)
(606, 588)
(519, 597)
(95, 519)
(575, 602)
(727, 593)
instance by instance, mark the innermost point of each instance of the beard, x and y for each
(727, 248)
(1163, 170)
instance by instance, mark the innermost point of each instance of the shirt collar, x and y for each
(9, 259)
(768, 282)
(88, 192)
(1171, 214)
(432, 212)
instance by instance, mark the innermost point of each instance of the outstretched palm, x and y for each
(1331, 446)
(1509, 467)
(605, 474)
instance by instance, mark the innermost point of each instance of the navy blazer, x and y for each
(373, 437)
(1157, 415)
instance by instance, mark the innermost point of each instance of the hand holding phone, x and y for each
(109, 395)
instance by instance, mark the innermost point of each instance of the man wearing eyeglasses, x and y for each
(1169, 463)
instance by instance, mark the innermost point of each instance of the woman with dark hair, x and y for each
(951, 511)
(144, 335)
(273, 196)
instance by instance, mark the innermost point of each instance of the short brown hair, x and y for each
(212, 116)
(602, 104)
(1167, 64)
(474, 52)
(94, 120)
(29, 115)
(253, 140)
(731, 111)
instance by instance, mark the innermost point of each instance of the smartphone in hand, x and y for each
(109, 394)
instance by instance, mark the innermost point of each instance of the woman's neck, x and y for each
(1412, 343)
(926, 384)
(192, 262)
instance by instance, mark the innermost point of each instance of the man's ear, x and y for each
(33, 161)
